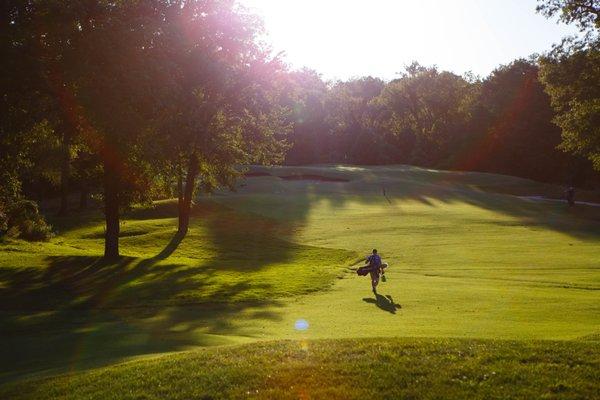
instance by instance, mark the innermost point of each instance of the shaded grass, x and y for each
(465, 262)
(183, 294)
(224, 248)
(343, 369)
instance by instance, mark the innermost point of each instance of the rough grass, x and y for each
(388, 368)
(467, 260)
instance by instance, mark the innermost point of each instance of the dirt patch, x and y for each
(312, 178)
(256, 174)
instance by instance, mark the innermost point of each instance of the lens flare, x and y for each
(304, 345)
(301, 325)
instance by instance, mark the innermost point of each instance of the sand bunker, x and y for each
(312, 178)
(256, 174)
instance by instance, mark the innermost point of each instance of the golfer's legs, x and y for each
(374, 279)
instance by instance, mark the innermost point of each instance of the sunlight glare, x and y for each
(345, 38)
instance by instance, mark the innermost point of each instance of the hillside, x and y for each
(468, 259)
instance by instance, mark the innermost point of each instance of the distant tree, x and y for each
(304, 93)
(350, 113)
(513, 126)
(429, 109)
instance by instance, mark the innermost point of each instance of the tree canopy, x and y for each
(584, 13)
(571, 74)
(132, 101)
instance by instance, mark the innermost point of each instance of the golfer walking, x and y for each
(375, 264)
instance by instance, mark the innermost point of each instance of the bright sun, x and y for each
(344, 38)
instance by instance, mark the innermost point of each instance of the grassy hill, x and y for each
(468, 259)
(389, 368)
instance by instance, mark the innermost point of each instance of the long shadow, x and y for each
(94, 313)
(385, 303)
(169, 248)
(83, 309)
(387, 184)
(83, 312)
(398, 183)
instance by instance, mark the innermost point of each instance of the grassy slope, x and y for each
(466, 262)
(343, 369)
(62, 308)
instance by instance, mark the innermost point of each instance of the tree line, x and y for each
(431, 118)
(137, 100)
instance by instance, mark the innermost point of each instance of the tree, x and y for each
(571, 75)
(513, 126)
(304, 93)
(584, 13)
(429, 109)
(220, 79)
(111, 85)
(44, 34)
(354, 134)
(26, 142)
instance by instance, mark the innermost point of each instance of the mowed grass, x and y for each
(464, 262)
(467, 260)
(63, 307)
(388, 368)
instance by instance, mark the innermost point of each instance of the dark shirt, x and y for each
(374, 260)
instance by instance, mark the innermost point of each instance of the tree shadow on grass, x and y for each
(83, 312)
(294, 200)
(385, 303)
(169, 248)
(387, 185)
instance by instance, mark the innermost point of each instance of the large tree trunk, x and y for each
(179, 188)
(186, 204)
(65, 169)
(84, 195)
(111, 211)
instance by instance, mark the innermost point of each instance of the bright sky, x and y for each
(346, 38)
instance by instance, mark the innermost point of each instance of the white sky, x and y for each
(346, 38)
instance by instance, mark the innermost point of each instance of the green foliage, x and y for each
(513, 121)
(22, 219)
(137, 88)
(303, 93)
(430, 108)
(584, 13)
(434, 118)
(353, 122)
(219, 88)
(571, 74)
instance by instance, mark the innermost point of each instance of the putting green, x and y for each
(273, 260)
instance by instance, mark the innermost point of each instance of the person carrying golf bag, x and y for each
(375, 267)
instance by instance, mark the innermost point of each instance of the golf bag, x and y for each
(364, 270)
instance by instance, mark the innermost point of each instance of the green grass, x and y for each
(343, 369)
(467, 260)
